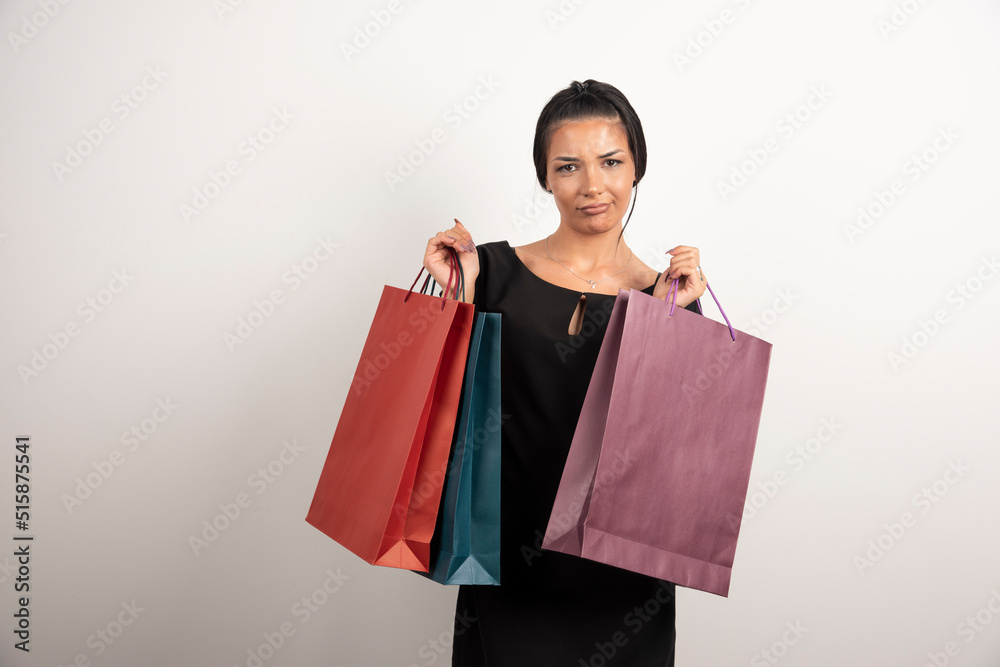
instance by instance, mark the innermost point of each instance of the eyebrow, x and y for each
(573, 159)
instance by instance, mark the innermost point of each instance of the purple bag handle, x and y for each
(673, 302)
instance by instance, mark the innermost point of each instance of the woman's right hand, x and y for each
(437, 257)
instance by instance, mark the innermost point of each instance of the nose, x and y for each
(592, 182)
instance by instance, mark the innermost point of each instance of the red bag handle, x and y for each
(459, 275)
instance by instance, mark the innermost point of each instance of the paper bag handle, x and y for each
(459, 276)
(673, 302)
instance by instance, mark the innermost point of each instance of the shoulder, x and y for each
(642, 276)
(493, 248)
(529, 255)
(494, 255)
(495, 263)
(496, 267)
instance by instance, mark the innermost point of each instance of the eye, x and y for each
(612, 162)
(566, 167)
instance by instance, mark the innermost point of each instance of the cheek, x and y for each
(562, 199)
(553, 180)
(560, 189)
(624, 184)
(565, 199)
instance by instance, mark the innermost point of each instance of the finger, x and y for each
(678, 259)
(687, 259)
(683, 252)
(438, 258)
(438, 244)
(456, 238)
(468, 245)
(681, 270)
(437, 250)
(458, 242)
(680, 267)
(684, 256)
(693, 284)
(449, 239)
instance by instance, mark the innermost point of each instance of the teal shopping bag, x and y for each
(466, 544)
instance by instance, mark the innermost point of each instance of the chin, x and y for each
(601, 223)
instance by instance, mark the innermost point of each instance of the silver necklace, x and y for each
(593, 283)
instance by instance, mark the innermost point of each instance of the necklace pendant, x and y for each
(593, 285)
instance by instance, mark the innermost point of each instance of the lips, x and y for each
(595, 209)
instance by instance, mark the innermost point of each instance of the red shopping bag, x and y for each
(657, 473)
(380, 488)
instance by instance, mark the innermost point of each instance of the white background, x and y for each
(779, 242)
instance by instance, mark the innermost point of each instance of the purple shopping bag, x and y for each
(657, 473)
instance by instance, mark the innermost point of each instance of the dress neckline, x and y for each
(534, 275)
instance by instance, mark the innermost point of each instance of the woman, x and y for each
(555, 295)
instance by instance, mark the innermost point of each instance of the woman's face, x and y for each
(590, 172)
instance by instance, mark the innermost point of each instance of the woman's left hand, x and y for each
(684, 263)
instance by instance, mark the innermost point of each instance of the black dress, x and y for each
(551, 609)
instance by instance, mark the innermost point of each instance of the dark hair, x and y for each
(580, 101)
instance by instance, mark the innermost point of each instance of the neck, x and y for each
(589, 252)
